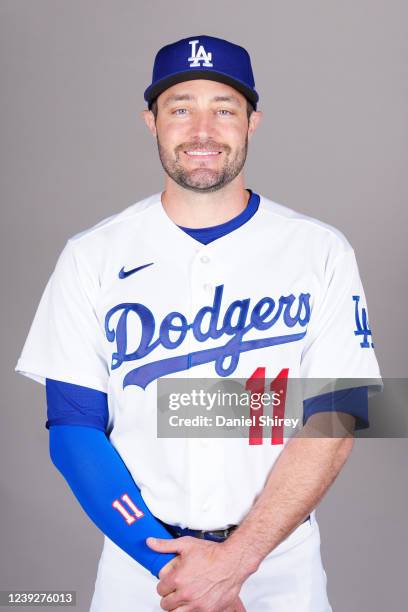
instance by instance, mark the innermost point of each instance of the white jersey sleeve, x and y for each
(65, 341)
(339, 345)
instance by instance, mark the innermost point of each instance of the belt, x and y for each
(216, 535)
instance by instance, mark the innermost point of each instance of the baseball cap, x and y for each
(202, 57)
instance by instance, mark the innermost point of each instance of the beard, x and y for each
(202, 178)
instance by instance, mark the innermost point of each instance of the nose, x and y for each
(203, 126)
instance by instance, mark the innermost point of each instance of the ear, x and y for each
(149, 120)
(254, 120)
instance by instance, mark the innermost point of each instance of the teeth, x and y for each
(202, 152)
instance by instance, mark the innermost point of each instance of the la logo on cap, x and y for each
(199, 56)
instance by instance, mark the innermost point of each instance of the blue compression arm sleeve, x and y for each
(96, 473)
(107, 492)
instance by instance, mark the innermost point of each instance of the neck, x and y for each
(197, 210)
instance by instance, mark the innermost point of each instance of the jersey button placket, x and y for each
(204, 259)
(202, 289)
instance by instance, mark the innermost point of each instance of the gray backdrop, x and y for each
(333, 84)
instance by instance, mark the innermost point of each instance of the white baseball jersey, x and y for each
(135, 298)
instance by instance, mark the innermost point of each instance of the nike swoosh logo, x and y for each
(125, 274)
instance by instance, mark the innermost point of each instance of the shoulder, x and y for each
(88, 252)
(93, 244)
(306, 229)
(116, 222)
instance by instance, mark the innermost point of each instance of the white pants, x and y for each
(290, 579)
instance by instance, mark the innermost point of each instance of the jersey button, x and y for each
(207, 287)
(206, 507)
(204, 259)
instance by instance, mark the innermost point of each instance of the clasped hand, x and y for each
(204, 577)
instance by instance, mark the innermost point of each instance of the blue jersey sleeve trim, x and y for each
(69, 404)
(352, 401)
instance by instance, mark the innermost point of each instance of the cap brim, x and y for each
(189, 75)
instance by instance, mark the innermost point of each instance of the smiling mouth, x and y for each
(202, 154)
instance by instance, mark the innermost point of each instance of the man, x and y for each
(206, 279)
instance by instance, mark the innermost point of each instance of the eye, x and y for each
(224, 110)
(176, 112)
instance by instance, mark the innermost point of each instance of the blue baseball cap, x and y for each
(202, 57)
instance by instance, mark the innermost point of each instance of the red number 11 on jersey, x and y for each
(256, 384)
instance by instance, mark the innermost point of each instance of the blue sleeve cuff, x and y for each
(91, 422)
(352, 401)
(160, 561)
(69, 404)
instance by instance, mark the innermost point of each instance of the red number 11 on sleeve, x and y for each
(256, 384)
